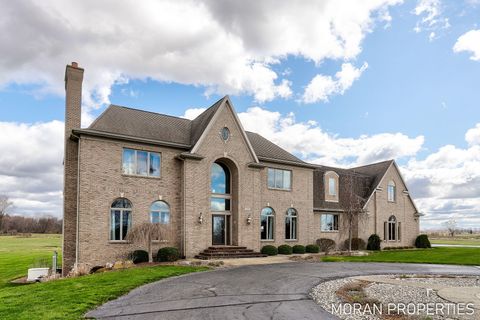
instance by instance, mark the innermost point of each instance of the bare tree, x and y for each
(451, 226)
(5, 203)
(144, 233)
(351, 204)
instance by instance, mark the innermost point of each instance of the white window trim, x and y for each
(148, 164)
(274, 179)
(291, 217)
(273, 230)
(338, 223)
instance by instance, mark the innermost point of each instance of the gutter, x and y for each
(116, 136)
(288, 162)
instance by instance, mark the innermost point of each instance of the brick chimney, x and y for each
(73, 99)
(73, 120)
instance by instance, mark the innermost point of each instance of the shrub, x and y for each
(422, 241)
(357, 244)
(138, 256)
(269, 250)
(312, 248)
(284, 249)
(168, 254)
(374, 242)
(298, 249)
(326, 245)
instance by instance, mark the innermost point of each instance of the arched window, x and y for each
(160, 212)
(120, 218)
(267, 222)
(391, 191)
(392, 228)
(291, 224)
(220, 187)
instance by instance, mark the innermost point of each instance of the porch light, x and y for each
(200, 218)
(249, 219)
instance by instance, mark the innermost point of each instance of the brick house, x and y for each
(211, 182)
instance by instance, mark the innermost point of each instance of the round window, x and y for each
(225, 133)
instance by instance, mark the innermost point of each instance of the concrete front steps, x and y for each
(228, 252)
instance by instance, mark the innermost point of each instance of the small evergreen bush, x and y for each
(374, 242)
(139, 256)
(285, 249)
(422, 241)
(269, 250)
(168, 254)
(312, 248)
(298, 248)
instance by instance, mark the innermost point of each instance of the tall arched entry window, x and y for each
(220, 203)
(267, 223)
(120, 218)
(160, 212)
(392, 229)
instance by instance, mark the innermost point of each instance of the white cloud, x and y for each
(31, 171)
(312, 143)
(224, 46)
(431, 13)
(469, 42)
(192, 113)
(321, 87)
(473, 135)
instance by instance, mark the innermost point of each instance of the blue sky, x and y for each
(415, 96)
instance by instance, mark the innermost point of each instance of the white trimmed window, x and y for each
(120, 218)
(141, 163)
(160, 212)
(267, 223)
(291, 224)
(392, 229)
(329, 222)
(279, 179)
(391, 190)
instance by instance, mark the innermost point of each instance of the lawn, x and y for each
(439, 255)
(17, 254)
(67, 298)
(457, 241)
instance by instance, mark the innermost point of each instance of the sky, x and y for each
(337, 83)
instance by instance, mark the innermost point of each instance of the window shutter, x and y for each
(399, 231)
(385, 231)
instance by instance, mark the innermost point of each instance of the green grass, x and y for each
(17, 254)
(439, 255)
(68, 298)
(457, 241)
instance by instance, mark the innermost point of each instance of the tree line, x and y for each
(13, 224)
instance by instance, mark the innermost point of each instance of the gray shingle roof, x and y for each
(375, 170)
(164, 128)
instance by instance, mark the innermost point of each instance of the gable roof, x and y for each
(151, 127)
(375, 170)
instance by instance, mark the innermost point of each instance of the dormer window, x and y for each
(391, 190)
(331, 186)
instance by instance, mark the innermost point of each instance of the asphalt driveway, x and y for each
(276, 291)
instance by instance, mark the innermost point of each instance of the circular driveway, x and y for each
(275, 291)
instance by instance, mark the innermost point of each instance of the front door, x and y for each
(220, 230)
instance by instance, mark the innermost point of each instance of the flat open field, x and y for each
(68, 298)
(463, 239)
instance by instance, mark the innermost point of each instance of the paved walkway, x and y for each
(277, 291)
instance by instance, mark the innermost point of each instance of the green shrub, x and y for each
(298, 248)
(422, 241)
(138, 256)
(312, 248)
(284, 249)
(269, 250)
(326, 245)
(357, 244)
(168, 254)
(374, 242)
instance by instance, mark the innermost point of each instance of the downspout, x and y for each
(375, 212)
(77, 244)
(184, 233)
